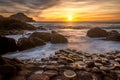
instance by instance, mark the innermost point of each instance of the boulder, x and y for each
(8, 70)
(21, 17)
(37, 41)
(7, 45)
(113, 35)
(25, 43)
(11, 24)
(41, 35)
(9, 67)
(58, 38)
(97, 32)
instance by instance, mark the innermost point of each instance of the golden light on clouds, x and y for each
(64, 10)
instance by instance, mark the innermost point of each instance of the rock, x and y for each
(59, 78)
(8, 70)
(37, 41)
(10, 24)
(41, 35)
(21, 17)
(90, 64)
(25, 43)
(38, 77)
(7, 45)
(97, 32)
(69, 74)
(51, 73)
(113, 35)
(58, 38)
(85, 76)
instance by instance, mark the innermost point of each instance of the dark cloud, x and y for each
(28, 4)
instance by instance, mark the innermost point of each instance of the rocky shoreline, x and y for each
(69, 64)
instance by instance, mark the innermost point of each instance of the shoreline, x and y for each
(70, 64)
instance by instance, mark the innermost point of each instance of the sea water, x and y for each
(76, 35)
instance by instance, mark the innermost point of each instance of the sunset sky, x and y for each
(64, 10)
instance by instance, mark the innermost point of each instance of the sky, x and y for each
(63, 10)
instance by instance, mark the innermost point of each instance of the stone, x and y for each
(25, 43)
(58, 38)
(41, 35)
(97, 32)
(50, 73)
(7, 45)
(38, 77)
(69, 74)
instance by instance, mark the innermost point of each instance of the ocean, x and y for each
(76, 34)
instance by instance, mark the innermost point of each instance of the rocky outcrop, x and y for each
(1, 17)
(113, 35)
(21, 17)
(41, 35)
(51, 37)
(9, 68)
(58, 38)
(69, 64)
(7, 45)
(27, 43)
(97, 32)
(10, 24)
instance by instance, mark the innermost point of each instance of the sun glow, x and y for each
(70, 18)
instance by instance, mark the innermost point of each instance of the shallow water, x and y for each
(77, 40)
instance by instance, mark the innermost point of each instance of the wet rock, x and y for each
(97, 32)
(7, 45)
(58, 38)
(38, 77)
(37, 42)
(41, 35)
(85, 76)
(90, 64)
(50, 73)
(60, 78)
(113, 35)
(8, 70)
(69, 74)
(25, 43)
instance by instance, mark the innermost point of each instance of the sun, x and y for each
(70, 18)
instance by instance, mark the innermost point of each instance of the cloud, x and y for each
(27, 5)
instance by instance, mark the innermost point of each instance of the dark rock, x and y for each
(25, 43)
(85, 76)
(113, 35)
(7, 45)
(8, 70)
(59, 78)
(38, 77)
(21, 17)
(41, 35)
(58, 38)
(37, 41)
(90, 64)
(10, 24)
(97, 32)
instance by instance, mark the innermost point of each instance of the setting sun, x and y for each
(70, 18)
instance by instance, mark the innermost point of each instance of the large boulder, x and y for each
(58, 38)
(7, 45)
(21, 17)
(97, 32)
(11, 24)
(37, 42)
(113, 35)
(25, 43)
(41, 35)
(9, 67)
